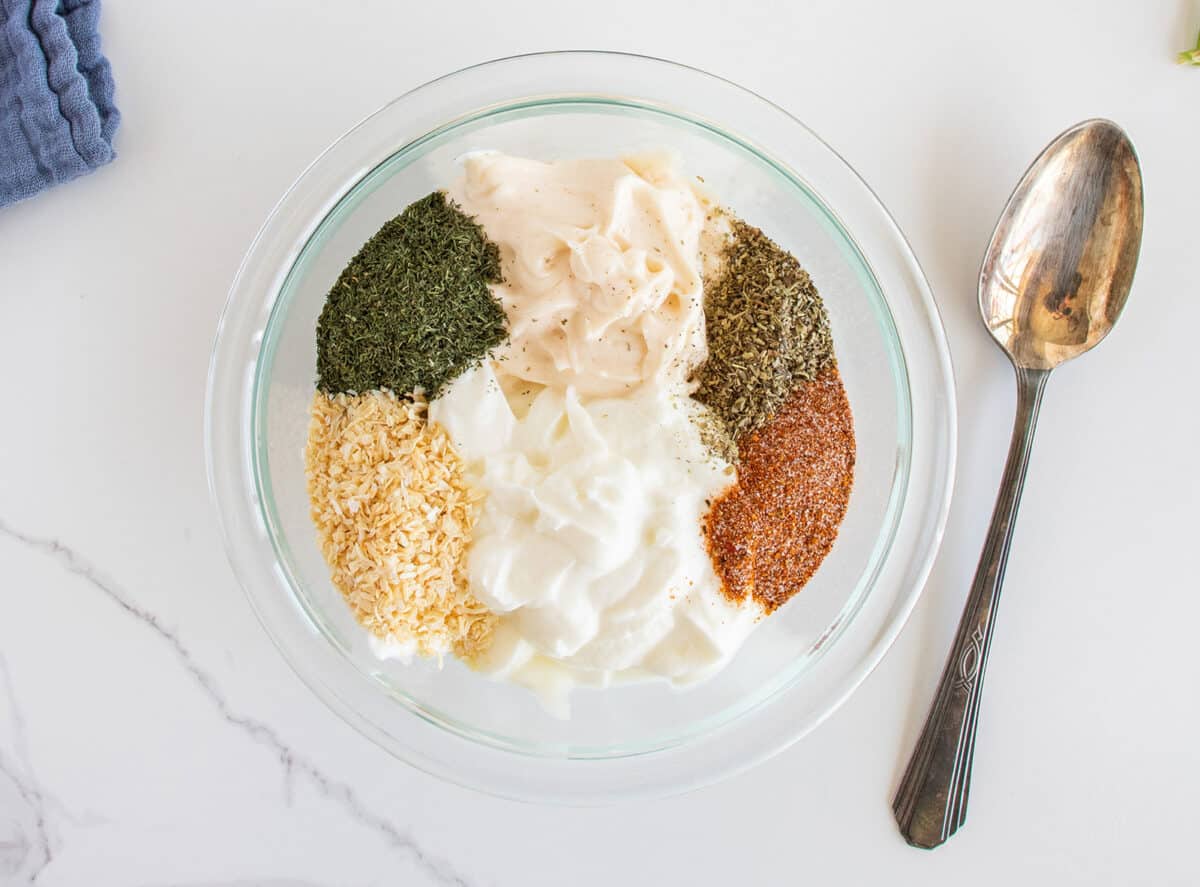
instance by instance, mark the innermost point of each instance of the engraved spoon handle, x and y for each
(931, 803)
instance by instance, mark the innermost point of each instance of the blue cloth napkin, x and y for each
(57, 116)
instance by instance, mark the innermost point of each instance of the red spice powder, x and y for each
(768, 534)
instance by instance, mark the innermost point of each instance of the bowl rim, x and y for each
(235, 338)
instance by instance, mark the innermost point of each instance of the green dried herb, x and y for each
(412, 309)
(714, 436)
(767, 333)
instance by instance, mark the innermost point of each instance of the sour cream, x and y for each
(590, 543)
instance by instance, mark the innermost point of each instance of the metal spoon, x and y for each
(1053, 282)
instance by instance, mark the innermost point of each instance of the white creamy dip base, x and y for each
(590, 544)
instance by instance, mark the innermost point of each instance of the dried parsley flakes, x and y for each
(412, 309)
(767, 333)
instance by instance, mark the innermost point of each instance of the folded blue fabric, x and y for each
(57, 116)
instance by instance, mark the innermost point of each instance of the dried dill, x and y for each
(767, 333)
(412, 309)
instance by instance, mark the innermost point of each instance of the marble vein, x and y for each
(293, 763)
(16, 853)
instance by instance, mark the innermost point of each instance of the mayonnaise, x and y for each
(602, 268)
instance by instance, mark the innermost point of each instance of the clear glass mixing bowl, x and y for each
(646, 739)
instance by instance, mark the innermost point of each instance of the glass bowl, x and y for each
(639, 739)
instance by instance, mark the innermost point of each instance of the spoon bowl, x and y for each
(1060, 264)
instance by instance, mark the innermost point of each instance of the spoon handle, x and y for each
(931, 803)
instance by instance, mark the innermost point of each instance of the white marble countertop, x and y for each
(151, 735)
